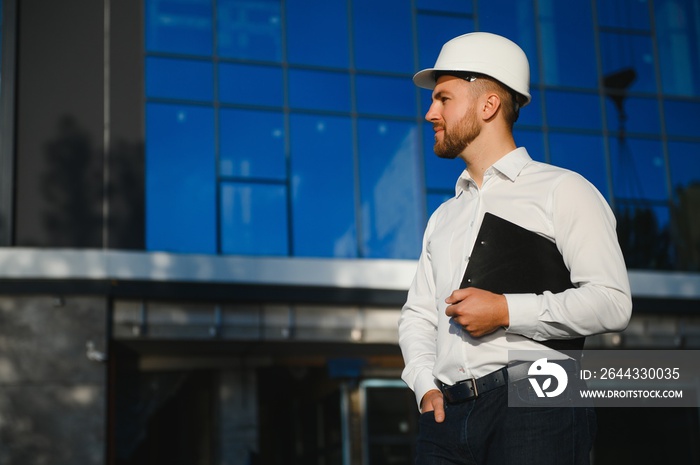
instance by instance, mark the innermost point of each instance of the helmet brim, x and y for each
(425, 79)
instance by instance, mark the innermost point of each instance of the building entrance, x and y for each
(258, 409)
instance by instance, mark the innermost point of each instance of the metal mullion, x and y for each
(601, 98)
(541, 84)
(355, 133)
(418, 118)
(287, 130)
(217, 127)
(660, 103)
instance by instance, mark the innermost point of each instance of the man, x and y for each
(452, 337)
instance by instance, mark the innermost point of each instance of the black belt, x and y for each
(469, 389)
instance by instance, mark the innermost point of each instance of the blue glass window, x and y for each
(679, 46)
(656, 220)
(319, 90)
(437, 199)
(434, 31)
(636, 168)
(581, 153)
(252, 145)
(449, 6)
(179, 79)
(180, 179)
(634, 115)
(685, 167)
(531, 115)
(439, 173)
(254, 219)
(566, 29)
(251, 85)
(573, 110)
(382, 35)
(628, 14)
(390, 173)
(533, 141)
(628, 62)
(323, 187)
(685, 179)
(643, 230)
(381, 95)
(179, 26)
(317, 33)
(682, 118)
(305, 109)
(515, 25)
(425, 98)
(249, 30)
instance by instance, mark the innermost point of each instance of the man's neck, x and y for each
(480, 157)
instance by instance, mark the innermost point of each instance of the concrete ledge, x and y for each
(29, 263)
(160, 267)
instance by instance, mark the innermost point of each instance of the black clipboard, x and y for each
(509, 259)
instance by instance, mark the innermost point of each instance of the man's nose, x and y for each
(432, 114)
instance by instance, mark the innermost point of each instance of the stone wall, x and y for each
(52, 388)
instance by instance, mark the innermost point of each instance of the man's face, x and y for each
(453, 116)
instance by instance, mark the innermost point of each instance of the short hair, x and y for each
(511, 101)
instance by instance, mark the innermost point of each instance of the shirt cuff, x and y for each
(422, 387)
(523, 314)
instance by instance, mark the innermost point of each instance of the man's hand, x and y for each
(478, 311)
(432, 401)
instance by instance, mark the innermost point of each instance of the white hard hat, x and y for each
(482, 53)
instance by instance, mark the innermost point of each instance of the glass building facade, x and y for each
(277, 152)
(292, 128)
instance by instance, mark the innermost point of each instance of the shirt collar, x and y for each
(510, 165)
(513, 163)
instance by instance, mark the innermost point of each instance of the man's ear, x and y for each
(491, 105)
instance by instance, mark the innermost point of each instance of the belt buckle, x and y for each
(465, 390)
(461, 391)
(473, 387)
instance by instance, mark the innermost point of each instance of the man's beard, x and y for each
(458, 138)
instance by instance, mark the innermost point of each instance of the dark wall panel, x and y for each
(126, 138)
(62, 183)
(59, 124)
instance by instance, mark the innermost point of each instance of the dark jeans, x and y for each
(486, 431)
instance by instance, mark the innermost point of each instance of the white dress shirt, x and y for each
(556, 203)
